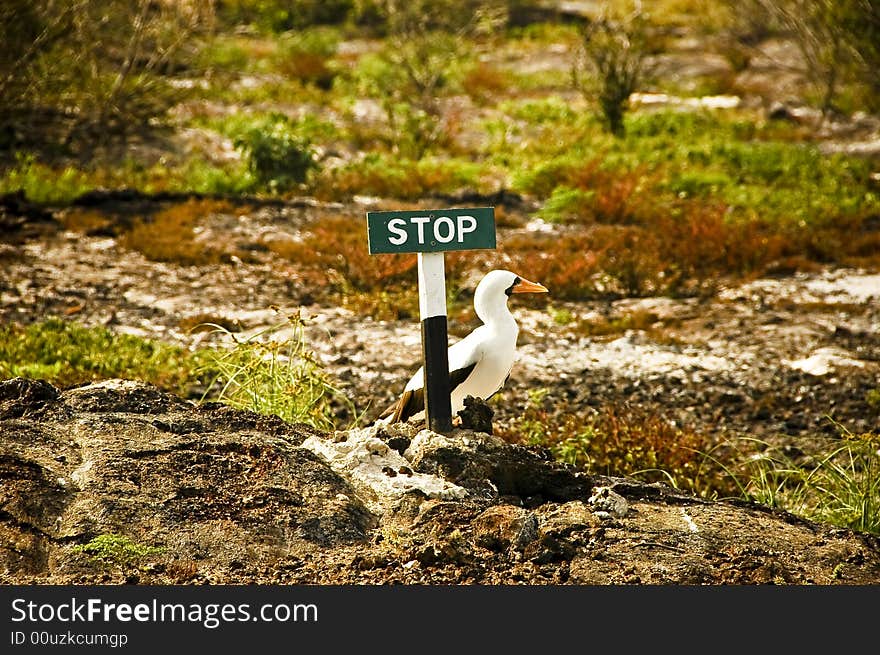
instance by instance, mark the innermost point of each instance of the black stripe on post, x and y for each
(438, 405)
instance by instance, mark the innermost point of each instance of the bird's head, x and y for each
(497, 286)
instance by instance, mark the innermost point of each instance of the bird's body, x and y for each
(480, 363)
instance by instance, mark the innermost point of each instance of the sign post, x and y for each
(430, 233)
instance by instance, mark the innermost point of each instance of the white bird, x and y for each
(479, 364)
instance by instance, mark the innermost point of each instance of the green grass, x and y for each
(274, 372)
(269, 373)
(838, 483)
(68, 354)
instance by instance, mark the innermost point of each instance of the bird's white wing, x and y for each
(462, 355)
(463, 358)
(467, 352)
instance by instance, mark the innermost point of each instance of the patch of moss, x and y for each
(110, 549)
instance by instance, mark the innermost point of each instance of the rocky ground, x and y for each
(117, 482)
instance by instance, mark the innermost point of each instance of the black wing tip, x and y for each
(410, 403)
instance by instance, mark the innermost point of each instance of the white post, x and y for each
(432, 311)
(432, 285)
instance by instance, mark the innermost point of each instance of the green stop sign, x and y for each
(432, 230)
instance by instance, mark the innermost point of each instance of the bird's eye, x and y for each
(509, 290)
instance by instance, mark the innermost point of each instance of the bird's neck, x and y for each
(498, 318)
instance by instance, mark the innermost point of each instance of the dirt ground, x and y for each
(780, 357)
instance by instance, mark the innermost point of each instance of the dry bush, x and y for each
(333, 257)
(484, 83)
(679, 248)
(102, 63)
(425, 46)
(308, 67)
(618, 196)
(565, 264)
(631, 257)
(612, 61)
(86, 221)
(403, 179)
(505, 218)
(600, 261)
(204, 322)
(851, 240)
(308, 55)
(618, 200)
(837, 40)
(688, 248)
(595, 193)
(181, 571)
(169, 235)
(336, 247)
(621, 440)
(700, 246)
(603, 326)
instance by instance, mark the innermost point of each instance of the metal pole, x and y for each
(432, 311)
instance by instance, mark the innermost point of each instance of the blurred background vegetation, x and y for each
(89, 69)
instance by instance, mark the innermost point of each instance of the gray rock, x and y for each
(119, 482)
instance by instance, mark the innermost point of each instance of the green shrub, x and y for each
(278, 157)
(200, 176)
(53, 186)
(567, 205)
(544, 177)
(640, 125)
(42, 183)
(306, 55)
(553, 110)
(699, 183)
(282, 15)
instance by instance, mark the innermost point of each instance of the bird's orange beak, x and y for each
(524, 286)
